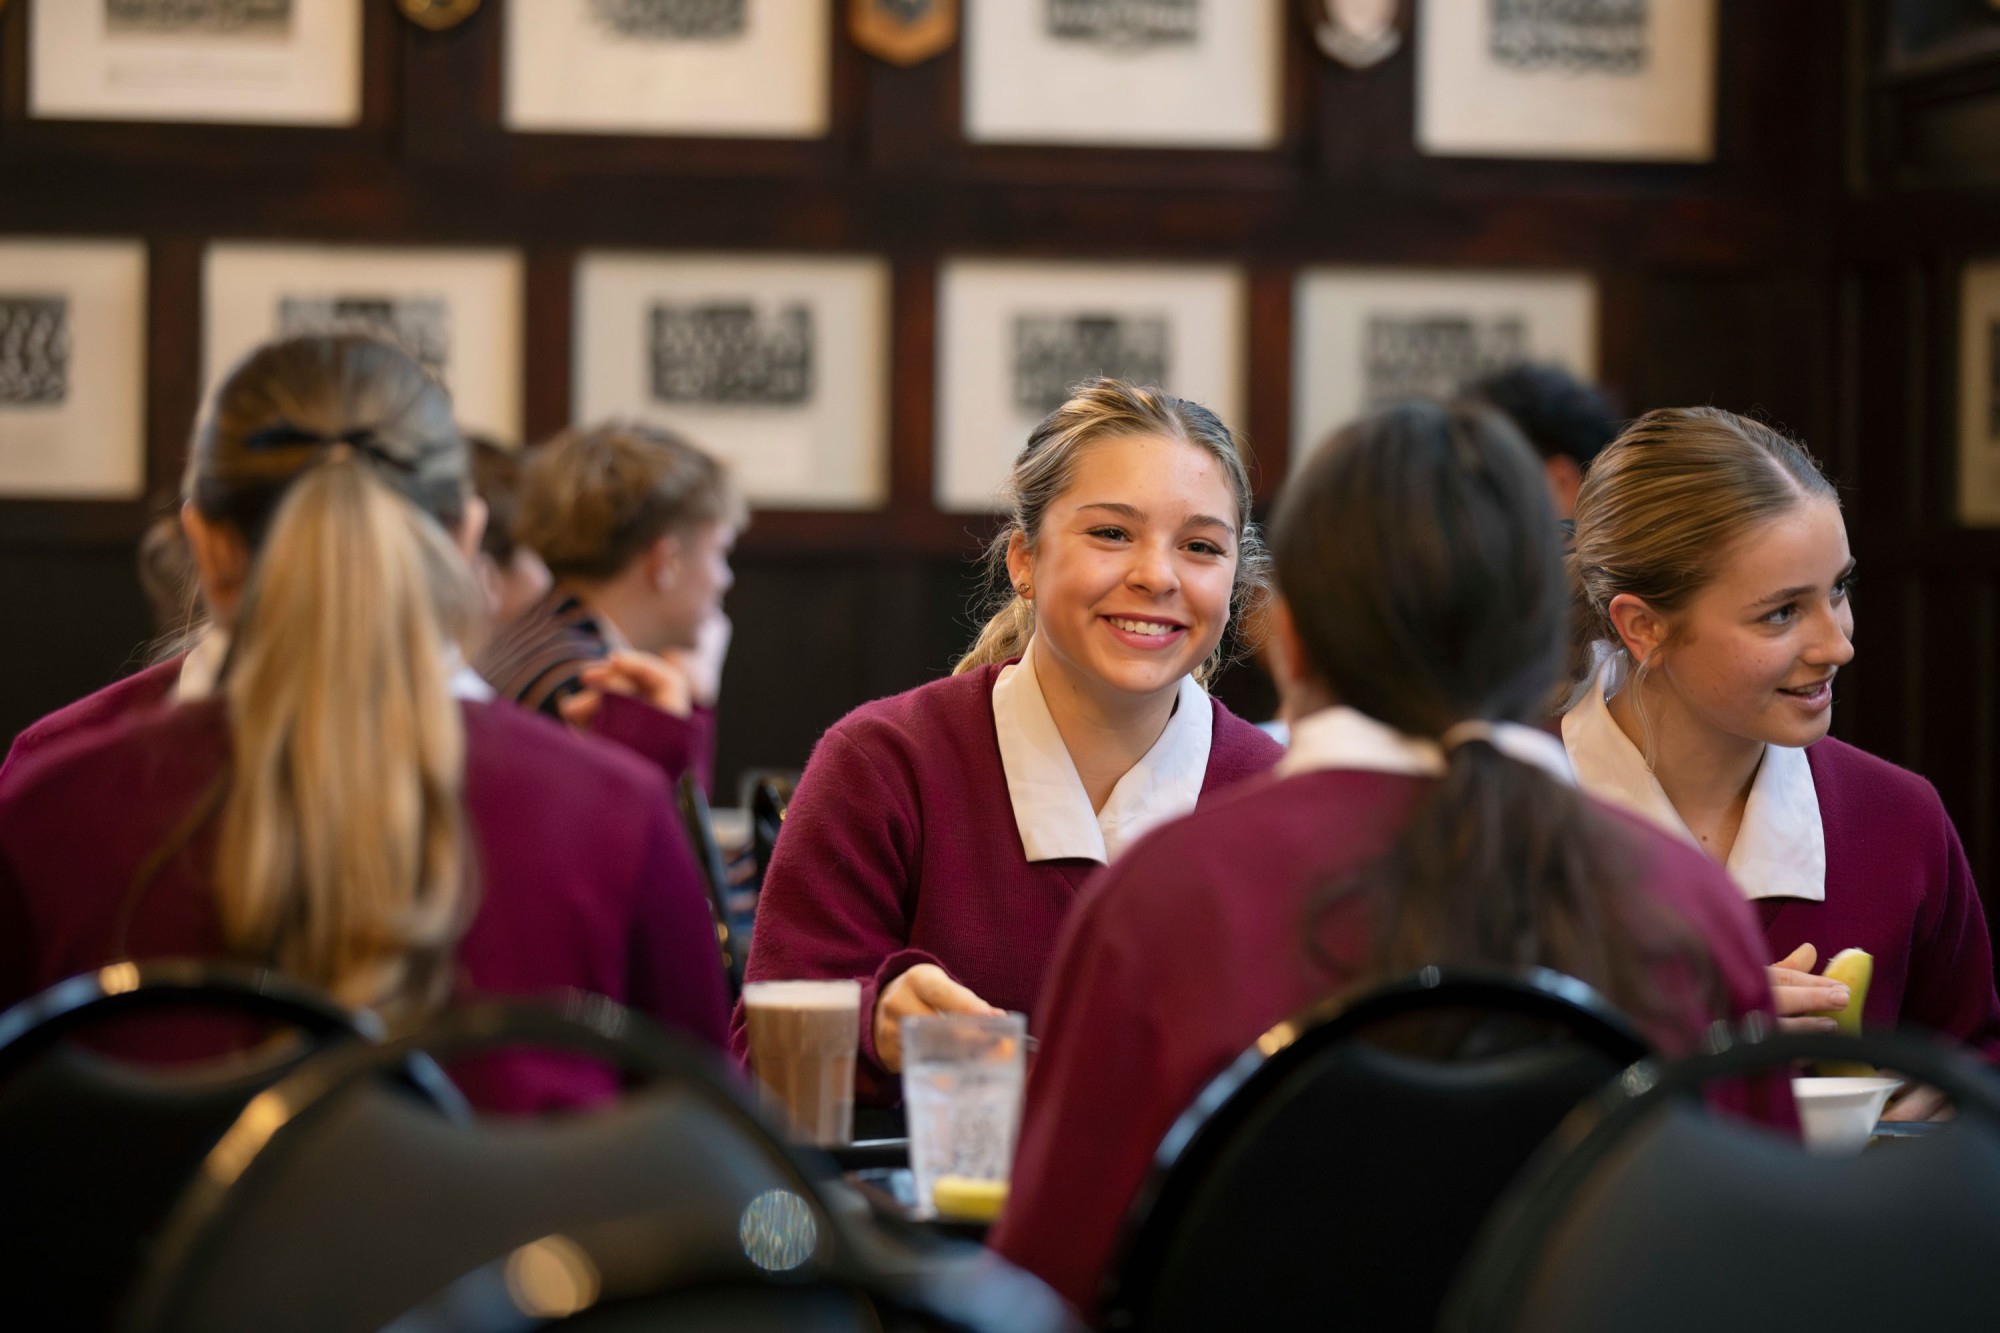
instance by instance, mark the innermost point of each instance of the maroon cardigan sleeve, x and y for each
(1950, 987)
(837, 898)
(676, 964)
(674, 745)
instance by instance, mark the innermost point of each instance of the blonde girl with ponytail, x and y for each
(938, 837)
(331, 794)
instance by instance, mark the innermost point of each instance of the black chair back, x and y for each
(335, 1205)
(699, 822)
(1342, 1165)
(1652, 1213)
(94, 1150)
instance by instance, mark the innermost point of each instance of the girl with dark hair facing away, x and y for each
(343, 804)
(939, 837)
(1713, 565)
(1416, 820)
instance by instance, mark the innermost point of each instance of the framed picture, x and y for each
(1363, 338)
(1015, 335)
(1159, 73)
(750, 68)
(1979, 396)
(72, 369)
(778, 365)
(1619, 79)
(293, 62)
(457, 311)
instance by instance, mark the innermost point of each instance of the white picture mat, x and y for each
(1223, 91)
(1332, 306)
(310, 75)
(92, 445)
(1469, 105)
(981, 430)
(482, 288)
(566, 72)
(1978, 443)
(831, 452)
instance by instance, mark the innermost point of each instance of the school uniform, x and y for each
(537, 660)
(136, 693)
(1177, 958)
(947, 825)
(583, 880)
(1840, 850)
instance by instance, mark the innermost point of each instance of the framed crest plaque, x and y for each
(779, 365)
(1015, 335)
(1363, 338)
(1612, 79)
(72, 369)
(903, 32)
(458, 312)
(294, 62)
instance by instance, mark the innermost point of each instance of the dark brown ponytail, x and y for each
(1420, 556)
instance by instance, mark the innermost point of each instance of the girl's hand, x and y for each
(1799, 997)
(924, 990)
(649, 679)
(1919, 1103)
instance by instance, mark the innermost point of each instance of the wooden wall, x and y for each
(1716, 285)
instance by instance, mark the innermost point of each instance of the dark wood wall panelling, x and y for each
(1713, 280)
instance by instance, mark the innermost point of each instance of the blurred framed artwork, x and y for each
(1015, 335)
(293, 62)
(1363, 338)
(729, 68)
(1979, 395)
(72, 369)
(1611, 79)
(458, 312)
(1155, 73)
(779, 365)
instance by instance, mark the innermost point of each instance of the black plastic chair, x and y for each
(1328, 1176)
(1653, 1213)
(331, 1207)
(94, 1150)
(699, 822)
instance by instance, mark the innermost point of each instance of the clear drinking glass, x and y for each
(962, 1084)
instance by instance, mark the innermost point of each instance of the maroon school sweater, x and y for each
(136, 693)
(1187, 950)
(900, 848)
(1897, 885)
(584, 880)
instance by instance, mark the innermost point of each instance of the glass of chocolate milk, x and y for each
(802, 1042)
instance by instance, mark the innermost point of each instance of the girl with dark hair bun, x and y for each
(333, 795)
(1418, 818)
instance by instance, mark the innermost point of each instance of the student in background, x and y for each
(1713, 562)
(512, 576)
(1414, 821)
(1566, 420)
(341, 803)
(636, 525)
(939, 837)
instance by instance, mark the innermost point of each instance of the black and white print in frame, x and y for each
(671, 20)
(1127, 23)
(724, 353)
(243, 18)
(1570, 36)
(420, 325)
(1053, 352)
(34, 350)
(1417, 356)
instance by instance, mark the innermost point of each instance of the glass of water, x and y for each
(962, 1082)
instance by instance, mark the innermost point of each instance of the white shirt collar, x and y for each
(1342, 737)
(1052, 810)
(1780, 849)
(203, 665)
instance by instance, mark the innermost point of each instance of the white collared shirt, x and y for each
(1780, 849)
(1051, 808)
(203, 665)
(1342, 737)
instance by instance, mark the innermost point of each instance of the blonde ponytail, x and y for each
(343, 850)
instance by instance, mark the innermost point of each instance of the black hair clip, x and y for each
(1567, 526)
(361, 439)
